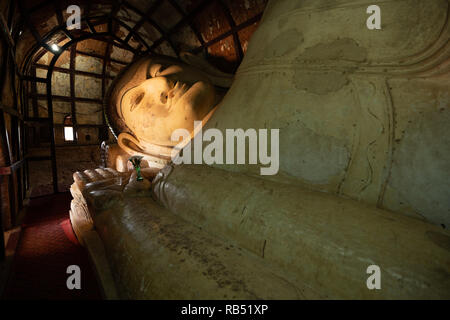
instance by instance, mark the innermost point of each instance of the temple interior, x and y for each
(225, 149)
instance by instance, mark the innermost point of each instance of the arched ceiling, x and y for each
(218, 29)
(71, 69)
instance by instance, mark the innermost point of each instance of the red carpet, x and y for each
(47, 246)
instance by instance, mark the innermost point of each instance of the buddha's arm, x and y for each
(108, 180)
(97, 190)
(135, 240)
(314, 238)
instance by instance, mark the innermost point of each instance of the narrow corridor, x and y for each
(46, 248)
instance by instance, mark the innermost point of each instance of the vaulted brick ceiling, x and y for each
(112, 34)
(220, 29)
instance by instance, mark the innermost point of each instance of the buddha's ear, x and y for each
(217, 77)
(129, 144)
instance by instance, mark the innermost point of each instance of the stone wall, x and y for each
(8, 187)
(69, 160)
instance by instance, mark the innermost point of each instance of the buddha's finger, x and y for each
(81, 179)
(99, 184)
(93, 175)
(112, 171)
(119, 175)
(104, 173)
(150, 173)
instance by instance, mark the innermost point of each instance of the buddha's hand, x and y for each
(136, 188)
(101, 188)
(104, 188)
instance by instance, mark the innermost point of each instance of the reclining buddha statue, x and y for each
(364, 164)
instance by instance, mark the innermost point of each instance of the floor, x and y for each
(46, 247)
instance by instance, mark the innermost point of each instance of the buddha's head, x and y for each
(157, 95)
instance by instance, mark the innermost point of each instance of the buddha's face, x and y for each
(172, 97)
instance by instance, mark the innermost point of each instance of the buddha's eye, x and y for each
(136, 99)
(164, 96)
(156, 70)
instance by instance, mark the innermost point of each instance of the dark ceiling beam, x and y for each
(99, 56)
(102, 36)
(90, 26)
(6, 150)
(87, 12)
(103, 133)
(5, 31)
(50, 35)
(67, 33)
(80, 125)
(69, 99)
(30, 120)
(187, 19)
(147, 18)
(43, 122)
(70, 71)
(121, 44)
(34, 79)
(144, 16)
(139, 49)
(10, 111)
(10, 139)
(105, 64)
(33, 94)
(9, 170)
(40, 6)
(54, 31)
(135, 35)
(100, 19)
(115, 9)
(229, 33)
(102, 39)
(73, 111)
(34, 52)
(237, 42)
(27, 17)
(60, 18)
